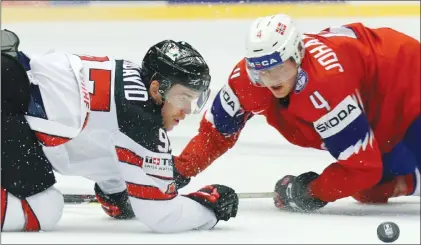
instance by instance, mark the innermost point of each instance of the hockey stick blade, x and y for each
(86, 199)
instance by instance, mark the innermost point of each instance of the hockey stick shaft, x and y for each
(80, 199)
(245, 195)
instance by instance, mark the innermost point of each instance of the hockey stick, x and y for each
(86, 199)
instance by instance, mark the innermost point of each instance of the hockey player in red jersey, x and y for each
(351, 90)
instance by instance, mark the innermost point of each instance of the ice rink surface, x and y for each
(259, 159)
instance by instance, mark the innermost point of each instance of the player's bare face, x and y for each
(178, 104)
(172, 116)
(280, 80)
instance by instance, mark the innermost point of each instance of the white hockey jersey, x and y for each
(95, 118)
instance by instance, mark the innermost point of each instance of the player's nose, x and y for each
(182, 114)
(186, 111)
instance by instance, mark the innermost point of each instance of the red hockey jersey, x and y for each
(357, 92)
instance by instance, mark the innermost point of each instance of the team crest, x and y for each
(302, 79)
(171, 189)
(173, 53)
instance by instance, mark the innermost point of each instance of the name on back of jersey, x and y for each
(323, 54)
(134, 88)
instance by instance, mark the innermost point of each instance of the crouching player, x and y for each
(106, 120)
(351, 90)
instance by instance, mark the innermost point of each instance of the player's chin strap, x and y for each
(88, 198)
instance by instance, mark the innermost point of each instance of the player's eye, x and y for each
(183, 98)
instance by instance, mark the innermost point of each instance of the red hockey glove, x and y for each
(116, 205)
(292, 193)
(222, 200)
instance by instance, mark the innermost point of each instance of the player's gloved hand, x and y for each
(116, 205)
(180, 180)
(222, 200)
(292, 193)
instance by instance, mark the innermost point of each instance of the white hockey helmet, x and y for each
(272, 40)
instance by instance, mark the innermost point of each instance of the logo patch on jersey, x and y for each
(158, 167)
(302, 79)
(171, 189)
(229, 100)
(338, 118)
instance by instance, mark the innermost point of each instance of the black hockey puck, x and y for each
(388, 232)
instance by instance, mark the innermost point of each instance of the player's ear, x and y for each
(154, 92)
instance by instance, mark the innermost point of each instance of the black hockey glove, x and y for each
(222, 200)
(180, 181)
(292, 193)
(116, 205)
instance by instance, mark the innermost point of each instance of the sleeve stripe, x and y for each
(147, 192)
(127, 156)
(354, 137)
(32, 222)
(51, 140)
(160, 177)
(227, 115)
(4, 196)
(54, 140)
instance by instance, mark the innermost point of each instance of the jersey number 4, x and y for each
(101, 79)
(318, 101)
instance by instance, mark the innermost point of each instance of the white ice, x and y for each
(259, 159)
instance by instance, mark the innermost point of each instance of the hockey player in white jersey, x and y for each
(106, 120)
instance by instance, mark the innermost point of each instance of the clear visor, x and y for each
(273, 76)
(186, 99)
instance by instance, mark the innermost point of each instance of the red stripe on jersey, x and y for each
(31, 220)
(147, 192)
(127, 156)
(51, 140)
(161, 177)
(94, 58)
(3, 206)
(86, 120)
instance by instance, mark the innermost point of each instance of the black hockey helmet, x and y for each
(170, 63)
